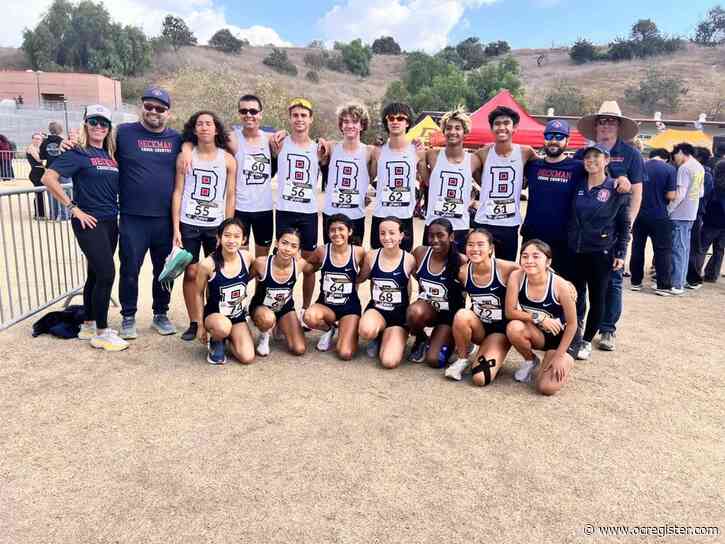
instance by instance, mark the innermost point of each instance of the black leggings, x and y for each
(35, 175)
(98, 245)
(592, 271)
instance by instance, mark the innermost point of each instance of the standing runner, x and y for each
(452, 171)
(399, 164)
(349, 169)
(501, 182)
(202, 199)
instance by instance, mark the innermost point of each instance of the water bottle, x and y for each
(443, 357)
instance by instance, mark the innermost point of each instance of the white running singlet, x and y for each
(297, 174)
(501, 181)
(396, 182)
(254, 175)
(449, 191)
(204, 199)
(347, 182)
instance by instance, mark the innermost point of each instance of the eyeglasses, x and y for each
(96, 121)
(248, 111)
(604, 121)
(398, 118)
(554, 137)
(153, 107)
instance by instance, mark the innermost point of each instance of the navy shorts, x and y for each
(505, 240)
(552, 342)
(306, 223)
(194, 238)
(358, 230)
(393, 318)
(495, 327)
(341, 310)
(259, 223)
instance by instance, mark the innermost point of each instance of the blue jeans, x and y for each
(680, 251)
(613, 305)
(57, 210)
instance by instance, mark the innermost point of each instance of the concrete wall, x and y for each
(78, 89)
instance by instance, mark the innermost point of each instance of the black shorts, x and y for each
(460, 238)
(358, 230)
(505, 240)
(259, 223)
(352, 307)
(552, 342)
(393, 318)
(306, 223)
(406, 244)
(194, 238)
(287, 308)
(242, 318)
(495, 327)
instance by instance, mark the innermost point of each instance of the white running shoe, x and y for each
(455, 370)
(87, 331)
(585, 351)
(108, 340)
(525, 372)
(677, 291)
(263, 344)
(325, 341)
(372, 349)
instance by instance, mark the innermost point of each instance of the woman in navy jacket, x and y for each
(598, 236)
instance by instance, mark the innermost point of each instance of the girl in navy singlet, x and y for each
(541, 308)
(224, 276)
(440, 293)
(383, 323)
(484, 324)
(272, 304)
(338, 306)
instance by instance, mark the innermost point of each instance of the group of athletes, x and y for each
(219, 195)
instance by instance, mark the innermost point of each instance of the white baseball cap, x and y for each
(96, 110)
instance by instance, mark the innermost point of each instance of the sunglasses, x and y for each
(95, 121)
(154, 107)
(398, 118)
(248, 111)
(554, 137)
(604, 121)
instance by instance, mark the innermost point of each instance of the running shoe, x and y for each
(372, 349)
(635, 287)
(417, 354)
(525, 373)
(325, 342)
(585, 351)
(190, 333)
(607, 341)
(108, 339)
(263, 343)
(128, 328)
(216, 355)
(693, 286)
(663, 292)
(455, 370)
(175, 264)
(163, 325)
(677, 291)
(87, 331)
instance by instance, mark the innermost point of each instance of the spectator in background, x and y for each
(49, 151)
(694, 272)
(32, 154)
(683, 210)
(6, 159)
(713, 226)
(652, 222)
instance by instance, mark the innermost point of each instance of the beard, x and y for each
(553, 152)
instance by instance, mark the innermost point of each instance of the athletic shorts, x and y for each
(306, 223)
(239, 319)
(194, 238)
(393, 318)
(460, 238)
(261, 224)
(287, 308)
(341, 310)
(552, 342)
(443, 317)
(406, 244)
(495, 327)
(358, 230)
(505, 240)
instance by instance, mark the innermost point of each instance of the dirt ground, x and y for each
(153, 445)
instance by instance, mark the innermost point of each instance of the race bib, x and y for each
(500, 208)
(449, 208)
(207, 212)
(276, 298)
(336, 288)
(386, 294)
(487, 308)
(231, 300)
(257, 169)
(396, 197)
(297, 192)
(435, 294)
(345, 199)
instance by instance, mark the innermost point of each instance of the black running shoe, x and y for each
(190, 333)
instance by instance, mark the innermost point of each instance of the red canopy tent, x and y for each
(529, 131)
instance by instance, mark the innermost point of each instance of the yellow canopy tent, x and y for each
(423, 130)
(670, 137)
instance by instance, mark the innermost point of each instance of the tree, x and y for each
(582, 51)
(396, 92)
(175, 31)
(494, 49)
(225, 41)
(490, 79)
(621, 49)
(316, 44)
(644, 29)
(450, 55)
(657, 91)
(711, 30)
(566, 99)
(278, 61)
(356, 57)
(472, 53)
(386, 45)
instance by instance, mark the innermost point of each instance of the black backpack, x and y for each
(65, 323)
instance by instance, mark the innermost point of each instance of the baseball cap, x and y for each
(557, 126)
(301, 102)
(157, 93)
(96, 110)
(598, 147)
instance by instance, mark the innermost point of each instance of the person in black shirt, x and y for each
(50, 150)
(32, 154)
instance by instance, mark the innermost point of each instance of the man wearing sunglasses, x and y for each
(608, 127)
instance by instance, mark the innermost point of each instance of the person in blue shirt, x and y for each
(654, 223)
(713, 226)
(611, 129)
(598, 231)
(95, 218)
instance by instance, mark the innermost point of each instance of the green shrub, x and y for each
(278, 61)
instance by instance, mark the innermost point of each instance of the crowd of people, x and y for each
(211, 188)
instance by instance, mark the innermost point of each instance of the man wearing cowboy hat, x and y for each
(608, 127)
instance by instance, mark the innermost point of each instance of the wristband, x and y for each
(73, 204)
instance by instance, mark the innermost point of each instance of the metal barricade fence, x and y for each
(13, 165)
(40, 261)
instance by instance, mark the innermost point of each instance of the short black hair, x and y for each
(395, 108)
(249, 98)
(684, 147)
(503, 111)
(660, 152)
(703, 155)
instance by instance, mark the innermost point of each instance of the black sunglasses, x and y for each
(554, 136)
(154, 107)
(248, 111)
(96, 121)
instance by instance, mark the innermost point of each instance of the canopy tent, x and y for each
(671, 137)
(529, 131)
(424, 130)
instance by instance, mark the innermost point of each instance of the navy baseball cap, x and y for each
(557, 126)
(598, 147)
(157, 93)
